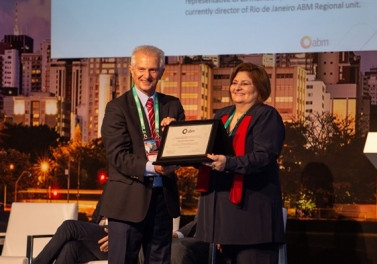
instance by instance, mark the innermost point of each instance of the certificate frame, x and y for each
(188, 142)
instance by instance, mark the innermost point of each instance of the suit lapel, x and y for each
(132, 113)
(164, 111)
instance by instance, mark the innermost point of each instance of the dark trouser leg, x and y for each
(71, 230)
(124, 241)
(154, 233)
(75, 252)
(70, 253)
(158, 235)
(189, 251)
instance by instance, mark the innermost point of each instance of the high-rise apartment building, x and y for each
(370, 91)
(95, 82)
(307, 61)
(317, 99)
(220, 88)
(61, 87)
(31, 73)
(338, 67)
(11, 69)
(288, 90)
(22, 44)
(79, 99)
(370, 85)
(341, 73)
(3, 48)
(192, 84)
(45, 51)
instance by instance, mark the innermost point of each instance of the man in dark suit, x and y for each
(141, 198)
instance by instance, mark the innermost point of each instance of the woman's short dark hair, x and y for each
(258, 75)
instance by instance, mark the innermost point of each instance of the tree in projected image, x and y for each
(187, 188)
(13, 164)
(331, 142)
(76, 158)
(28, 139)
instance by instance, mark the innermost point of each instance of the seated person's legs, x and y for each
(74, 252)
(86, 233)
(70, 253)
(189, 250)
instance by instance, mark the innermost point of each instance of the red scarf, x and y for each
(239, 143)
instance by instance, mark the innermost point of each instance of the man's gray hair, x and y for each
(149, 50)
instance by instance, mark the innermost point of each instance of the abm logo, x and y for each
(185, 130)
(307, 42)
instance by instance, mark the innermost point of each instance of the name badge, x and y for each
(151, 148)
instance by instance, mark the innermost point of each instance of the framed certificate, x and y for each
(188, 142)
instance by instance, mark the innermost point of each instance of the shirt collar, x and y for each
(143, 97)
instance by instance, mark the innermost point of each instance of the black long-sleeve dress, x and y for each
(258, 217)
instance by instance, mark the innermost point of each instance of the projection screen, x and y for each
(112, 28)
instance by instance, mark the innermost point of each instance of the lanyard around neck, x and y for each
(227, 123)
(140, 113)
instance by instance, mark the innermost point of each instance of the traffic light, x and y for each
(102, 177)
(55, 194)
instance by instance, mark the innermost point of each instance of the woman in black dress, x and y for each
(241, 207)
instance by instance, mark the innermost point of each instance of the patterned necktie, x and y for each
(150, 109)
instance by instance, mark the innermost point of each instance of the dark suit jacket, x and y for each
(128, 192)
